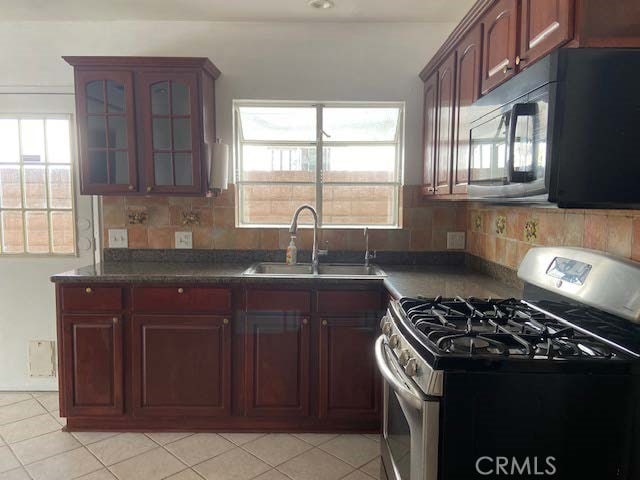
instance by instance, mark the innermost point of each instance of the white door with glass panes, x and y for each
(46, 227)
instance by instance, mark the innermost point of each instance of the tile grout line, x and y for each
(171, 453)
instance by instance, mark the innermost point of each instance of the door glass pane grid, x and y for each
(359, 176)
(107, 132)
(171, 133)
(36, 202)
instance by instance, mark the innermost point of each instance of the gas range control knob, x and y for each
(394, 340)
(411, 368)
(386, 328)
(404, 356)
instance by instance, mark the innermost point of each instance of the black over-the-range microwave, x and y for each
(565, 130)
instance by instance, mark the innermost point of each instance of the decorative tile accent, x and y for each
(477, 223)
(137, 217)
(501, 224)
(190, 218)
(531, 231)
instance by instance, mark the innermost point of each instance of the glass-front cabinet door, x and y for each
(172, 132)
(106, 121)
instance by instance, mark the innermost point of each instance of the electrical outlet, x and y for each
(455, 240)
(118, 238)
(184, 240)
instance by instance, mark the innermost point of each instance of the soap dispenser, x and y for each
(292, 252)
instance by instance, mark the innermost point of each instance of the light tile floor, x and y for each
(33, 447)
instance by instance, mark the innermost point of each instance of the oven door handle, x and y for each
(414, 398)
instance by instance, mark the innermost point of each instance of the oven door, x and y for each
(508, 150)
(411, 423)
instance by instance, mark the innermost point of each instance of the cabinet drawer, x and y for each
(349, 301)
(181, 299)
(279, 300)
(88, 298)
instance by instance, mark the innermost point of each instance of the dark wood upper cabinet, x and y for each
(445, 121)
(277, 365)
(106, 131)
(469, 65)
(544, 26)
(429, 145)
(92, 364)
(500, 26)
(349, 382)
(145, 124)
(181, 365)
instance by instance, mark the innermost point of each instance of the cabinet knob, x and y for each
(130, 187)
(115, 320)
(181, 290)
(520, 59)
(305, 321)
(149, 189)
(324, 323)
(506, 69)
(88, 290)
(225, 321)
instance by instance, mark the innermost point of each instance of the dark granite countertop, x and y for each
(401, 280)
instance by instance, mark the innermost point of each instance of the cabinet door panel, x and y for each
(181, 365)
(544, 26)
(446, 118)
(430, 130)
(349, 380)
(276, 365)
(106, 131)
(500, 25)
(467, 91)
(92, 346)
(173, 156)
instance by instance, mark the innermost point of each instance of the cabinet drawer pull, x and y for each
(115, 320)
(130, 187)
(149, 189)
(305, 321)
(506, 69)
(225, 321)
(181, 290)
(324, 323)
(520, 59)
(88, 290)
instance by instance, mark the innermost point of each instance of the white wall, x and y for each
(298, 61)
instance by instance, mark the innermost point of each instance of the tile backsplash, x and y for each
(504, 234)
(501, 234)
(152, 222)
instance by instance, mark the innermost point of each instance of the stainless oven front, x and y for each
(410, 433)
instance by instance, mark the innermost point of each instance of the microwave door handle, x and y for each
(518, 110)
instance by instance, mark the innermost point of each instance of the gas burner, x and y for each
(506, 327)
(471, 344)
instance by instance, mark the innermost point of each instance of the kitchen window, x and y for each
(343, 158)
(36, 189)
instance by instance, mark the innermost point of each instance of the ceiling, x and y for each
(236, 10)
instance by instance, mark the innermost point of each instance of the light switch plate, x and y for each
(455, 240)
(42, 358)
(184, 240)
(118, 238)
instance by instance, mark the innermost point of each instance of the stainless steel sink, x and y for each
(337, 270)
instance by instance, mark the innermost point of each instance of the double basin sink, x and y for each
(325, 270)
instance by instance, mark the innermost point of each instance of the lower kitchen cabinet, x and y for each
(276, 365)
(271, 357)
(181, 365)
(91, 358)
(349, 382)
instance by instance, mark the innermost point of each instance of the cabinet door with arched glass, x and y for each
(106, 121)
(172, 133)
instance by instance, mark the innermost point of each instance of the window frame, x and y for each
(48, 210)
(319, 143)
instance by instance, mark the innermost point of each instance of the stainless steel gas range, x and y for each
(543, 387)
